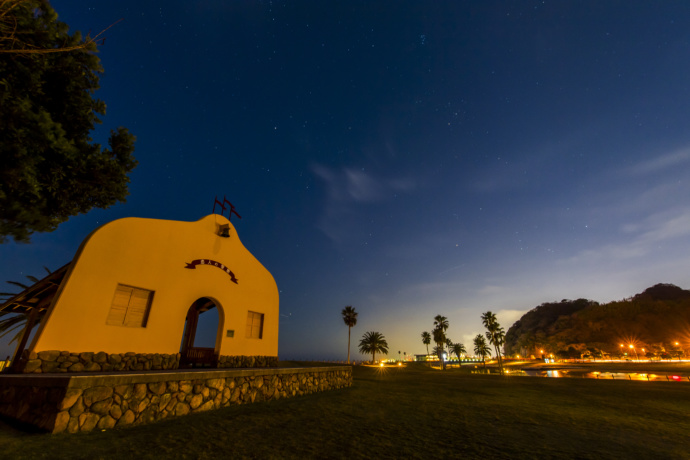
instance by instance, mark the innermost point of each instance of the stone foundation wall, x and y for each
(60, 403)
(55, 361)
(246, 361)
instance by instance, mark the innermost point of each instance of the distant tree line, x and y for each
(495, 334)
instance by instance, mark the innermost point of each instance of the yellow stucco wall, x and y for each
(152, 254)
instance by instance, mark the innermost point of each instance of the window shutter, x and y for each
(130, 307)
(138, 308)
(255, 325)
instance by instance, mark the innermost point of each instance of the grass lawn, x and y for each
(414, 412)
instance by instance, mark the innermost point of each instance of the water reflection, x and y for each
(583, 374)
(558, 373)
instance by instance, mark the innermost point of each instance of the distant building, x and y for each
(434, 358)
(425, 358)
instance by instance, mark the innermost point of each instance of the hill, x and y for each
(653, 320)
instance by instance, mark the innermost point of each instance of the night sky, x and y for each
(407, 158)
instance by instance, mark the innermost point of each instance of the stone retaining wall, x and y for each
(70, 403)
(247, 361)
(56, 361)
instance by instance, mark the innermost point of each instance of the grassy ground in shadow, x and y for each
(414, 412)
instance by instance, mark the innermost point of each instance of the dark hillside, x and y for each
(653, 320)
(663, 292)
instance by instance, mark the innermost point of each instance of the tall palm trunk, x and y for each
(500, 359)
(349, 328)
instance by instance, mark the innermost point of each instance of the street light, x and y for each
(621, 352)
(633, 349)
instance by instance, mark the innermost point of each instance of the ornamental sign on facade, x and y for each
(192, 265)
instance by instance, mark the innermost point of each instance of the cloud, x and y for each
(642, 237)
(673, 227)
(490, 290)
(357, 186)
(349, 188)
(660, 163)
(507, 318)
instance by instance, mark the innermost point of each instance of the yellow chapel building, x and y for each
(137, 287)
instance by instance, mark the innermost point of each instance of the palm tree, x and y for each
(481, 348)
(438, 350)
(441, 322)
(440, 328)
(449, 346)
(458, 349)
(350, 318)
(426, 340)
(11, 321)
(495, 334)
(500, 340)
(373, 342)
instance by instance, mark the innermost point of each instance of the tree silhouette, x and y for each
(440, 328)
(51, 167)
(426, 340)
(495, 334)
(458, 349)
(350, 319)
(373, 342)
(438, 349)
(11, 321)
(481, 348)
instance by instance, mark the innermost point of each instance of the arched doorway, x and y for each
(201, 351)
